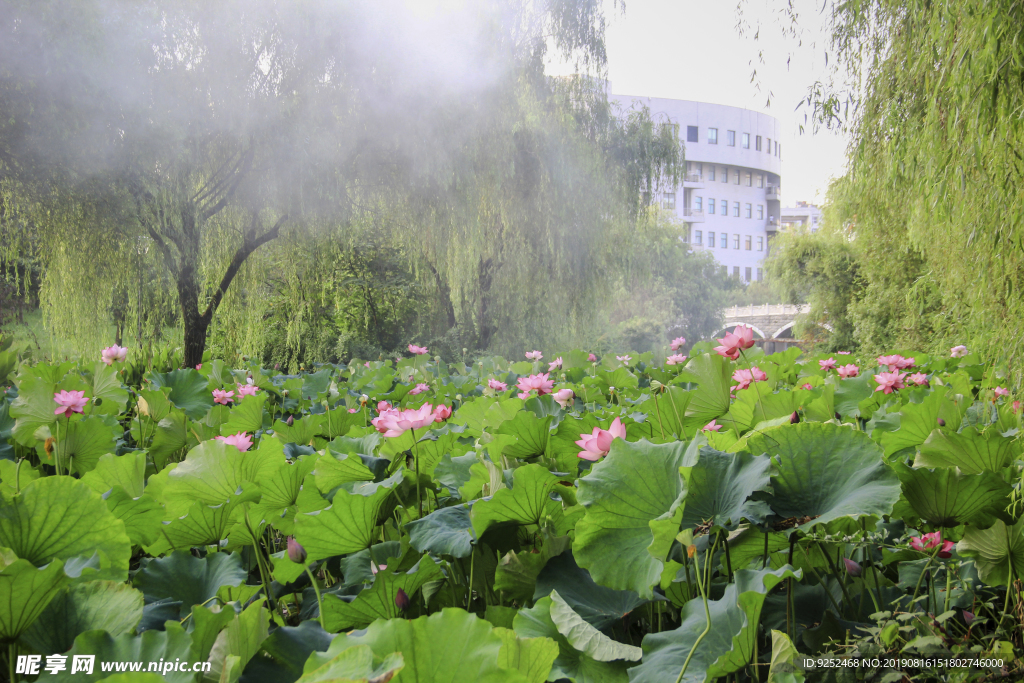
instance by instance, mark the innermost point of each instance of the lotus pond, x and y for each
(719, 516)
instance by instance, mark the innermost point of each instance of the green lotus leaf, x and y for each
(171, 435)
(316, 383)
(204, 524)
(285, 651)
(665, 411)
(450, 646)
(190, 391)
(527, 502)
(301, 431)
(84, 441)
(61, 518)
(718, 488)
(355, 665)
(106, 385)
(825, 471)
(537, 622)
(758, 404)
(151, 647)
(281, 491)
(188, 579)
(945, 497)
(636, 484)
(971, 451)
(338, 421)
(348, 525)
(106, 605)
(34, 406)
(25, 592)
(447, 531)
(599, 606)
(486, 414)
(127, 471)
(620, 378)
(6, 431)
(334, 470)
(850, 392)
(142, 516)
(531, 434)
(728, 646)
(917, 421)
(995, 550)
(207, 623)
(246, 415)
(584, 637)
(241, 638)
(14, 476)
(378, 601)
(154, 404)
(531, 657)
(710, 399)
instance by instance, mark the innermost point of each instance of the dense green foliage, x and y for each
(932, 207)
(427, 521)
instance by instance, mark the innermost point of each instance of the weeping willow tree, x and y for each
(933, 203)
(268, 168)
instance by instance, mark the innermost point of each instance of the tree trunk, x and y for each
(195, 324)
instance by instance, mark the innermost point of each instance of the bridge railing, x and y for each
(761, 310)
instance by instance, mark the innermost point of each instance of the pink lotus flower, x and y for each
(374, 568)
(807, 386)
(540, 383)
(199, 367)
(889, 360)
(534, 355)
(392, 423)
(353, 410)
(848, 370)
(843, 353)
(733, 342)
(555, 364)
(563, 397)
(241, 441)
(591, 358)
(889, 381)
(382, 406)
(496, 385)
(623, 359)
(827, 364)
(1001, 391)
(112, 353)
(745, 377)
(712, 426)
(69, 402)
(523, 395)
(919, 378)
(677, 343)
(958, 351)
(597, 444)
(417, 350)
(442, 413)
(419, 389)
(932, 540)
(904, 363)
(247, 389)
(223, 397)
(675, 359)
(1016, 406)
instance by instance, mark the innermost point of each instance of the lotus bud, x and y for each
(296, 553)
(794, 418)
(852, 568)
(655, 384)
(968, 617)
(277, 366)
(290, 421)
(437, 359)
(285, 393)
(839, 417)
(611, 390)
(401, 600)
(458, 397)
(942, 423)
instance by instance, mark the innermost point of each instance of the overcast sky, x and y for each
(693, 50)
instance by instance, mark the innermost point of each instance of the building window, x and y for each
(711, 239)
(760, 212)
(748, 211)
(745, 140)
(748, 274)
(730, 137)
(669, 202)
(725, 241)
(758, 274)
(750, 179)
(776, 148)
(700, 169)
(725, 175)
(698, 204)
(735, 241)
(712, 136)
(760, 247)
(711, 173)
(757, 143)
(736, 271)
(736, 210)
(760, 180)
(691, 133)
(748, 242)
(769, 150)
(697, 237)
(725, 208)
(711, 206)
(736, 177)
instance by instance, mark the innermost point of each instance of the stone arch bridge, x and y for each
(772, 323)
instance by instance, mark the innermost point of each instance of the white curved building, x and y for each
(730, 199)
